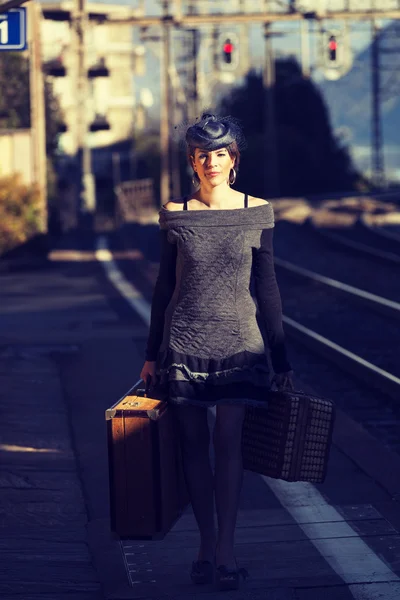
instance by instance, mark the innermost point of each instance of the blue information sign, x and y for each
(13, 29)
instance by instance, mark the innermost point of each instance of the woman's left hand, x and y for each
(283, 381)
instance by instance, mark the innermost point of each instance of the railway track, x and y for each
(344, 329)
(356, 333)
(363, 239)
(314, 251)
(391, 233)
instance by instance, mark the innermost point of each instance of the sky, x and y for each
(288, 43)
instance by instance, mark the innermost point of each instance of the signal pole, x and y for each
(196, 64)
(378, 170)
(173, 97)
(87, 188)
(165, 179)
(38, 119)
(244, 37)
(305, 48)
(271, 182)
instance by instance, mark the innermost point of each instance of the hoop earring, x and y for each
(231, 182)
(195, 181)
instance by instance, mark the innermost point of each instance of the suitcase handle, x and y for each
(292, 392)
(133, 389)
(147, 385)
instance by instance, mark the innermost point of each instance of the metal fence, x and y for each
(135, 202)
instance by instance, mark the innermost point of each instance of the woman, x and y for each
(206, 341)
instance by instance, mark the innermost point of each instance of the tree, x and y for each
(15, 114)
(310, 158)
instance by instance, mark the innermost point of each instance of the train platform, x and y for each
(71, 344)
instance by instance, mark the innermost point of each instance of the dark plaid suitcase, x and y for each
(289, 437)
(147, 488)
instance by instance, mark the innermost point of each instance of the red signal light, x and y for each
(332, 46)
(227, 51)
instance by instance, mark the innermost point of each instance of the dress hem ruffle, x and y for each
(242, 366)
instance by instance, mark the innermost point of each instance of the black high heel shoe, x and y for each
(202, 572)
(229, 579)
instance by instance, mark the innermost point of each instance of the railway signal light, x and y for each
(227, 51)
(335, 56)
(332, 48)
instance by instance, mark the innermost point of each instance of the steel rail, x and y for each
(378, 303)
(389, 235)
(359, 247)
(350, 362)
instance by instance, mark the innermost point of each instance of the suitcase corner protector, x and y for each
(110, 413)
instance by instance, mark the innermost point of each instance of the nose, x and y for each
(211, 160)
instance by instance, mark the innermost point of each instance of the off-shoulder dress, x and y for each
(216, 308)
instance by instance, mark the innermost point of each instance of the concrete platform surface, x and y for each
(70, 346)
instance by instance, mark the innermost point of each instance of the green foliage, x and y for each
(14, 91)
(19, 205)
(310, 158)
(19, 212)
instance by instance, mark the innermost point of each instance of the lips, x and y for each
(213, 173)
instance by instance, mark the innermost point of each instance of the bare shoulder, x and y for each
(174, 205)
(257, 201)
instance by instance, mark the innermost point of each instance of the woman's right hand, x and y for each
(149, 370)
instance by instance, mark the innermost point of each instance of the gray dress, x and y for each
(216, 307)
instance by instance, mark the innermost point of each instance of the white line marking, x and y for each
(354, 561)
(128, 291)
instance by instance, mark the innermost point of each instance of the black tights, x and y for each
(199, 477)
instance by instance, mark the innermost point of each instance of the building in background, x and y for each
(109, 107)
(110, 51)
(16, 154)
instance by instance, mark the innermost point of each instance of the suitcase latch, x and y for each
(136, 403)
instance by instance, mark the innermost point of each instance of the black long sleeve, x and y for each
(269, 301)
(163, 290)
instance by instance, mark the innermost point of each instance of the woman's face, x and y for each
(213, 167)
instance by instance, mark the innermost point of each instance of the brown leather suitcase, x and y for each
(147, 489)
(288, 437)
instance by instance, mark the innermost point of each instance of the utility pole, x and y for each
(87, 187)
(165, 179)
(195, 38)
(305, 48)
(271, 182)
(378, 170)
(174, 102)
(37, 109)
(196, 62)
(244, 38)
